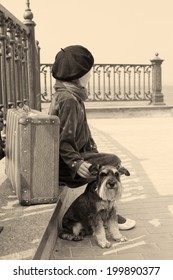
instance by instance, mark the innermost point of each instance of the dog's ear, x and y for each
(94, 169)
(122, 170)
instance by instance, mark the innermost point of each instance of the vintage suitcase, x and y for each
(32, 155)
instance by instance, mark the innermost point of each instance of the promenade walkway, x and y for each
(146, 148)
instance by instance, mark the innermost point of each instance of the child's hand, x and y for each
(83, 170)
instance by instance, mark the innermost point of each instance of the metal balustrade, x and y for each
(120, 82)
(19, 65)
(115, 82)
(19, 61)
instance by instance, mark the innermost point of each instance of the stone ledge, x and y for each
(48, 240)
(100, 111)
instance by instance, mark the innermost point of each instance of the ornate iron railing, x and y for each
(113, 82)
(19, 64)
(13, 58)
(19, 60)
(120, 82)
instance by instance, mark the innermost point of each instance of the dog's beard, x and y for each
(106, 192)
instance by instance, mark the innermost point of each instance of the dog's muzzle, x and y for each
(112, 181)
(111, 184)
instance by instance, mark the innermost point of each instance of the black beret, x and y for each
(72, 63)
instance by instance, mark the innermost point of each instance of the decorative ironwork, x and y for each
(14, 79)
(46, 82)
(28, 15)
(109, 82)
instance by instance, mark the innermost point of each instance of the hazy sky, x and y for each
(115, 31)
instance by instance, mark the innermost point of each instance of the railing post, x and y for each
(157, 97)
(33, 62)
(3, 64)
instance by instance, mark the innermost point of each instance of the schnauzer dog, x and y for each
(95, 209)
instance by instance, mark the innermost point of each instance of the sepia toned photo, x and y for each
(86, 129)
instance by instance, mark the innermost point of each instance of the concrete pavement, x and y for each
(146, 148)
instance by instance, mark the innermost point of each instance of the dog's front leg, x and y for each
(99, 230)
(113, 227)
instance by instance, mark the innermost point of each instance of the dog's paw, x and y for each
(78, 238)
(70, 237)
(104, 244)
(120, 238)
(66, 236)
(123, 239)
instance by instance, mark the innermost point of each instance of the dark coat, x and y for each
(75, 135)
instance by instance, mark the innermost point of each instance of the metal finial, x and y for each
(28, 15)
(157, 59)
(28, 4)
(157, 56)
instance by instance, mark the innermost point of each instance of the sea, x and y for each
(167, 91)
